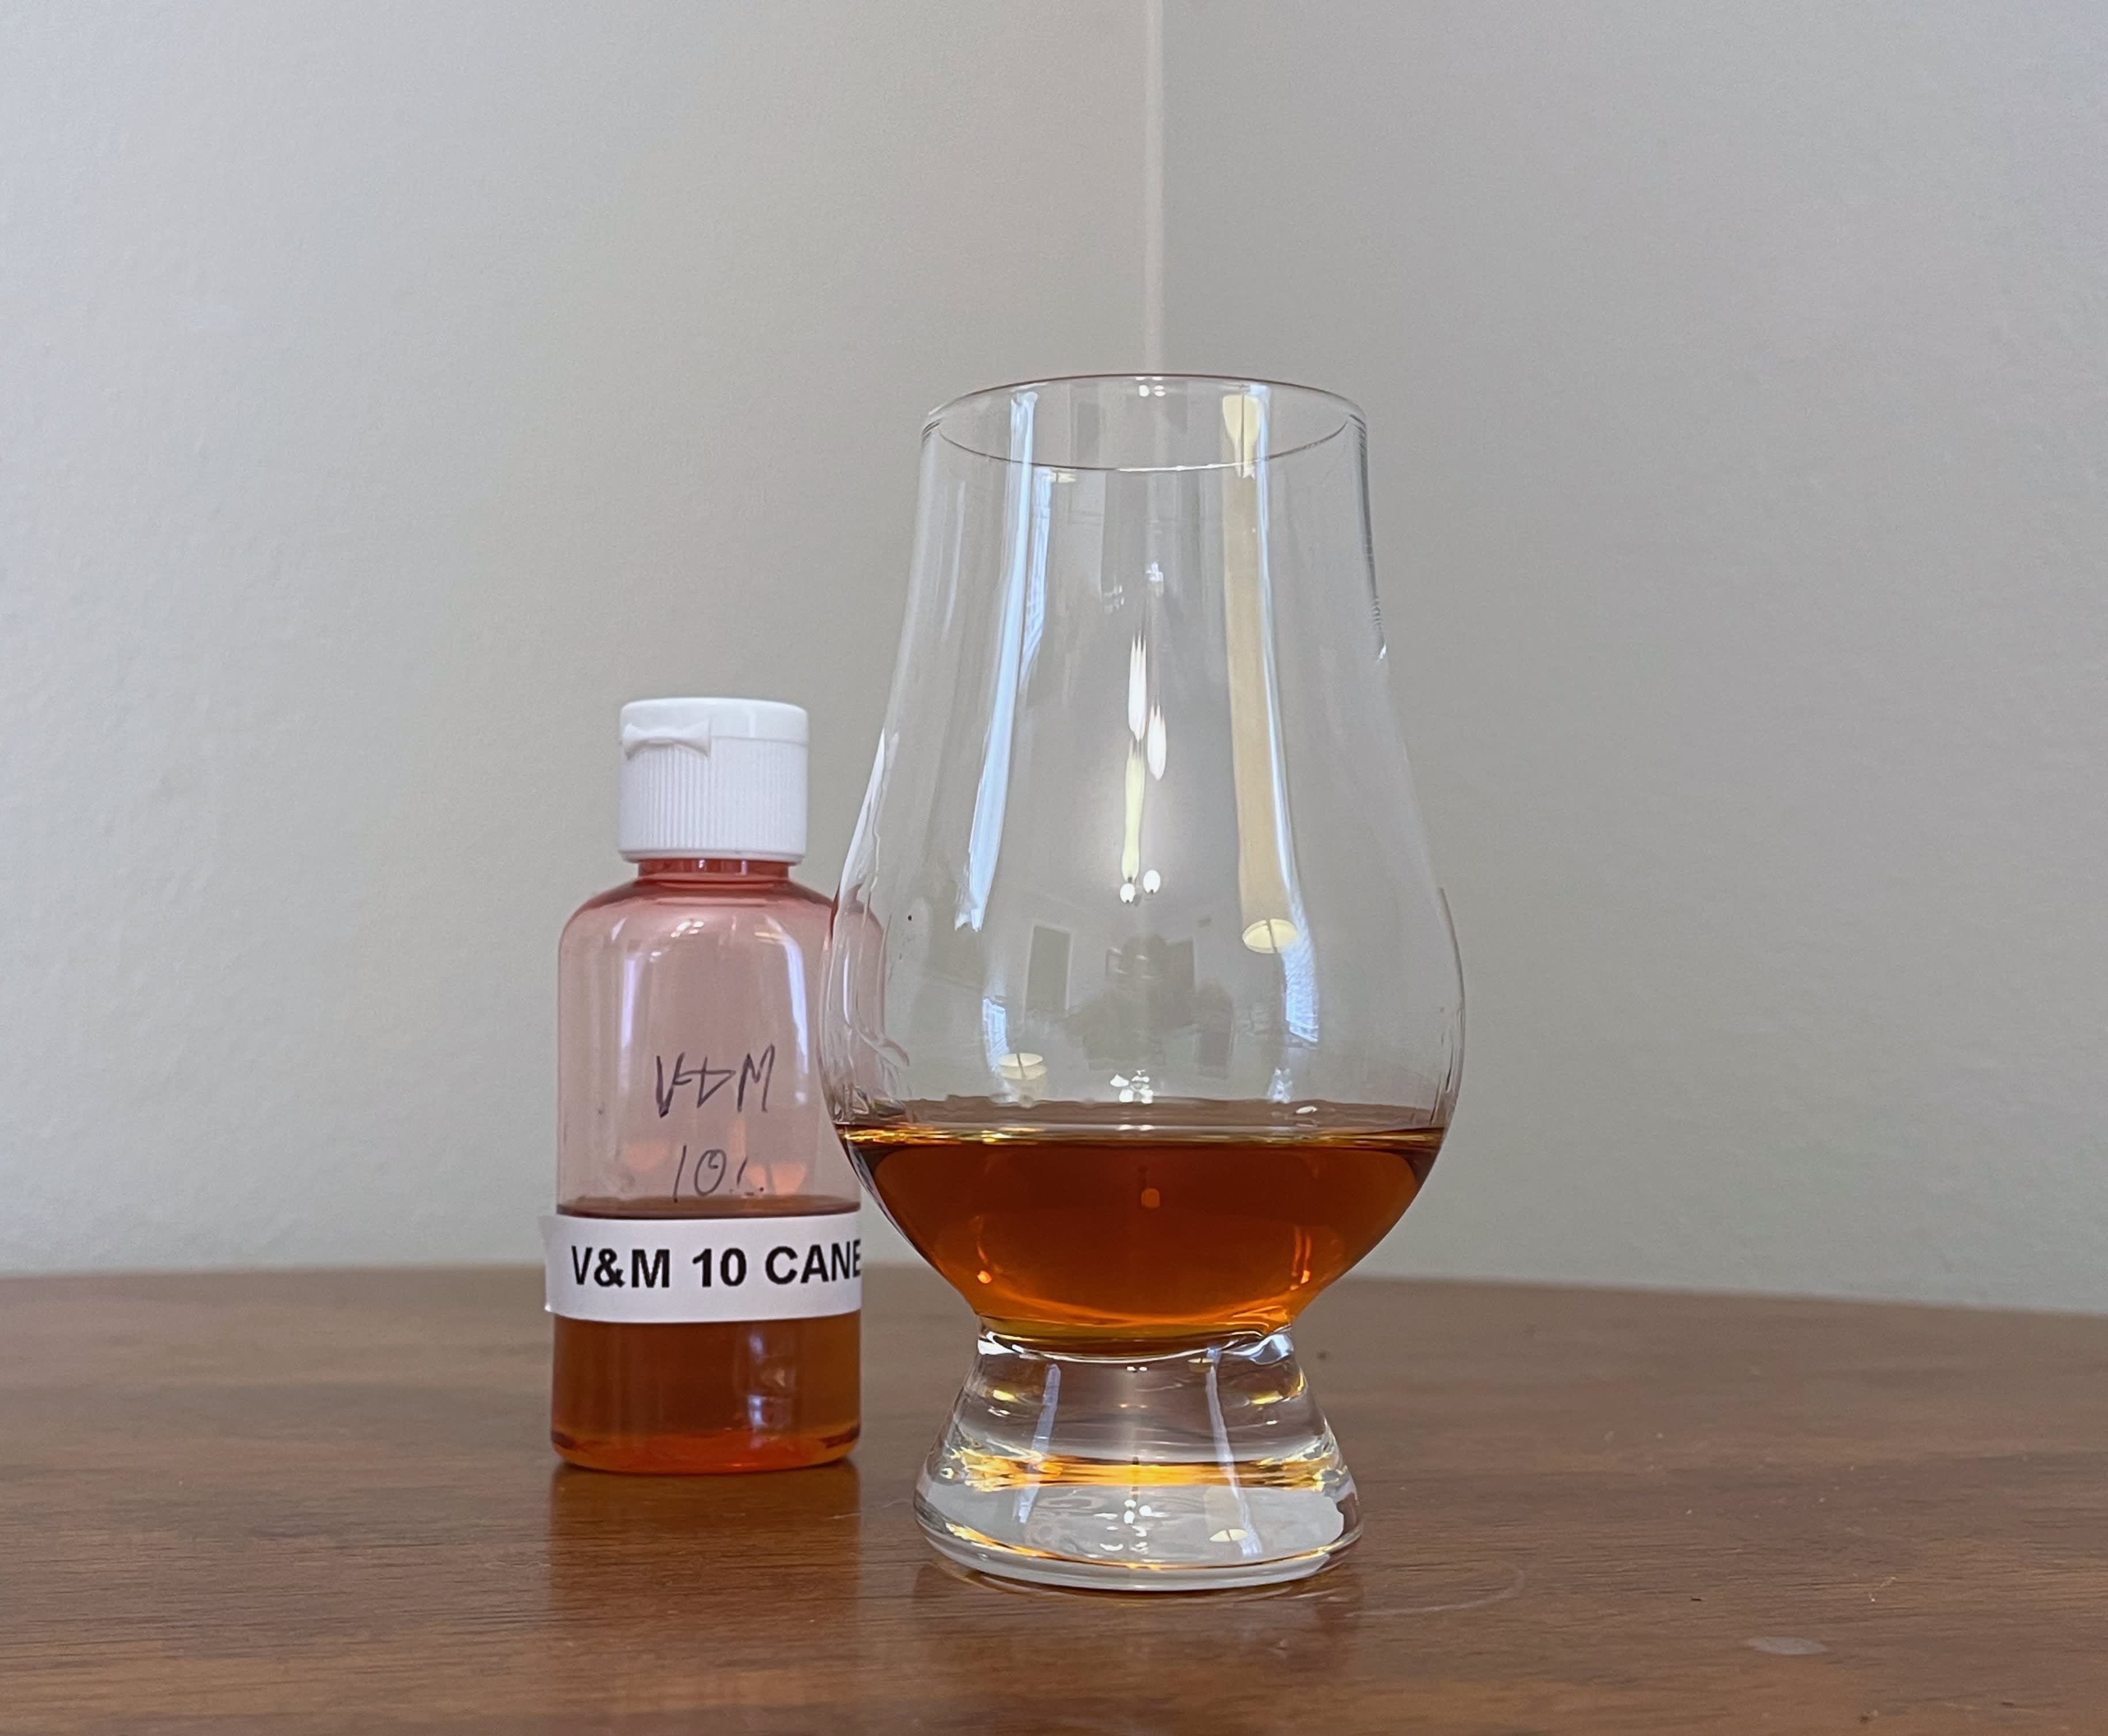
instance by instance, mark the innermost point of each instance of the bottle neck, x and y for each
(670, 870)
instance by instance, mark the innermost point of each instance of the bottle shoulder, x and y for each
(640, 909)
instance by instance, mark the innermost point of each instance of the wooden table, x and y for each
(325, 1503)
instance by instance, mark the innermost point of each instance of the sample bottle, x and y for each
(705, 1268)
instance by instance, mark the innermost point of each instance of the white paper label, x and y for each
(675, 1269)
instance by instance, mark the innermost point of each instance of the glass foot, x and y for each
(1204, 1469)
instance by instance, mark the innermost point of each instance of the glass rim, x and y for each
(1350, 414)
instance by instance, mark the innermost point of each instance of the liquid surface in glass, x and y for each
(1117, 1234)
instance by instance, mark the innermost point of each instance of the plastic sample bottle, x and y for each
(704, 1265)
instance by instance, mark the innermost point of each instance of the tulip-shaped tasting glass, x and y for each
(1144, 1018)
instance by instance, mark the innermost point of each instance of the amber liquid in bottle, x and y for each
(1072, 1236)
(709, 1394)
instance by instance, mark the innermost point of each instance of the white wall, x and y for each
(386, 393)
(1738, 386)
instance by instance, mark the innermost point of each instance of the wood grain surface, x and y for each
(325, 1502)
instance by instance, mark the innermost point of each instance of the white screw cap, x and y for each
(714, 777)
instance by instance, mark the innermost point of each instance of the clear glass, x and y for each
(1145, 1017)
(689, 1086)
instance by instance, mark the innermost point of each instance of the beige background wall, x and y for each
(387, 393)
(1738, 387)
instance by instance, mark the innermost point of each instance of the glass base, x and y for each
(1205, 1468)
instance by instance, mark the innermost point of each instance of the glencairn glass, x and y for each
(1145, 1017)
